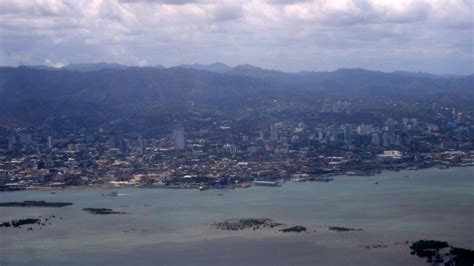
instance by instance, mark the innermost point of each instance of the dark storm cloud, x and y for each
(420, 35)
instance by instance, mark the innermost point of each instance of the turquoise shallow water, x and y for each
(161, 224)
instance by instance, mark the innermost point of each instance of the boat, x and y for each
(298, 179)
(111, 194)
(202, 188)
(266, 183)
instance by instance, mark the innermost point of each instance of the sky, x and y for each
(433, 36)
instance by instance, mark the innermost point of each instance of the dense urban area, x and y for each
(273, 143)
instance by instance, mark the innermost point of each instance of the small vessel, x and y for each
(266, 183)
(298, 179)
(376, 183)
(202, 188)
(111, 194)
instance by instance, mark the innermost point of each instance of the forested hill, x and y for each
(39, 92)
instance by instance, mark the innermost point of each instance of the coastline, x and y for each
(350, 173)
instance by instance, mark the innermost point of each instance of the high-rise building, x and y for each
(123, 145)
(25, 138)
(273, 132)
(347, 133)
(392, 138)
(385, 139)
(398, 140)
(233, 149)
(12, 140)
(141, 145)
(178, 138)
(111, 142)
(50, 142)
(320, 134)
(376, 139)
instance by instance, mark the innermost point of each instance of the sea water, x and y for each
(173, 226)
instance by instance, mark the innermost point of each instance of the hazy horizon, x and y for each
(234, 66)
(291, 36)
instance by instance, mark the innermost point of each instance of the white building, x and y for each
(178, 138)
(390, 156)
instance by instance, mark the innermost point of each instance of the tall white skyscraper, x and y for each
(178, 137)
(50, 142)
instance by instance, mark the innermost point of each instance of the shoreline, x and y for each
(248, 184)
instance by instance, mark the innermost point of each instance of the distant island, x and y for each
(35, 204)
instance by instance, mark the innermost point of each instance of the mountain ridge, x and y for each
(44, 92)
(219, 67)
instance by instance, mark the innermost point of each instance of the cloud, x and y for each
(228, 12)
(57, 64)
(428, 35)
(168, 2)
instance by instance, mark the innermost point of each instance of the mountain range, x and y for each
(33, 93)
